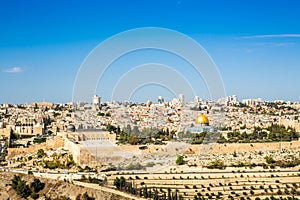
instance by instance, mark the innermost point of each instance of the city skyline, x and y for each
(254, 44)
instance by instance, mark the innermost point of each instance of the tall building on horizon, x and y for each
(181, 99)
(160, 99)
(196, 99)
(96, 100)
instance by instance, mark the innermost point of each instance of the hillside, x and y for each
(58, 190)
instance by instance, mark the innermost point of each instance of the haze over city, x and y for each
(254, 44)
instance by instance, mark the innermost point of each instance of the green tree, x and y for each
(180, 160)
(120, 183)
(37, 185)
(22, 189)
(15, 181)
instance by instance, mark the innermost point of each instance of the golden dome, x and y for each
(202, 119)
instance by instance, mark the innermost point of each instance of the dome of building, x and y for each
(202, 119)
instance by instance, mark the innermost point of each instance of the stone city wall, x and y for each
(244, 147)
(219, 148)
(54, 143)
(81, 155)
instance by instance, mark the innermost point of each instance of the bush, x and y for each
(180, 160)
(269, 160)
(41, 153)
(261, 187)
(279, 192)
(286, 191)
(51, 164)
(134, 166)
(216, 164)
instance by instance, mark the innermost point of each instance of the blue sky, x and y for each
(255, 44)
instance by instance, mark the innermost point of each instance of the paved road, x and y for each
(147, 173)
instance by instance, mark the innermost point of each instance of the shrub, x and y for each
(279, 192)
(261, 187)
(216, 164)
(134, 166)
(180, 160)
(269, 160)
(41, 153)
(286, 191)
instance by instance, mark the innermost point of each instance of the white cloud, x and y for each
(272, 36)
(284, 44)
(13, 70)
